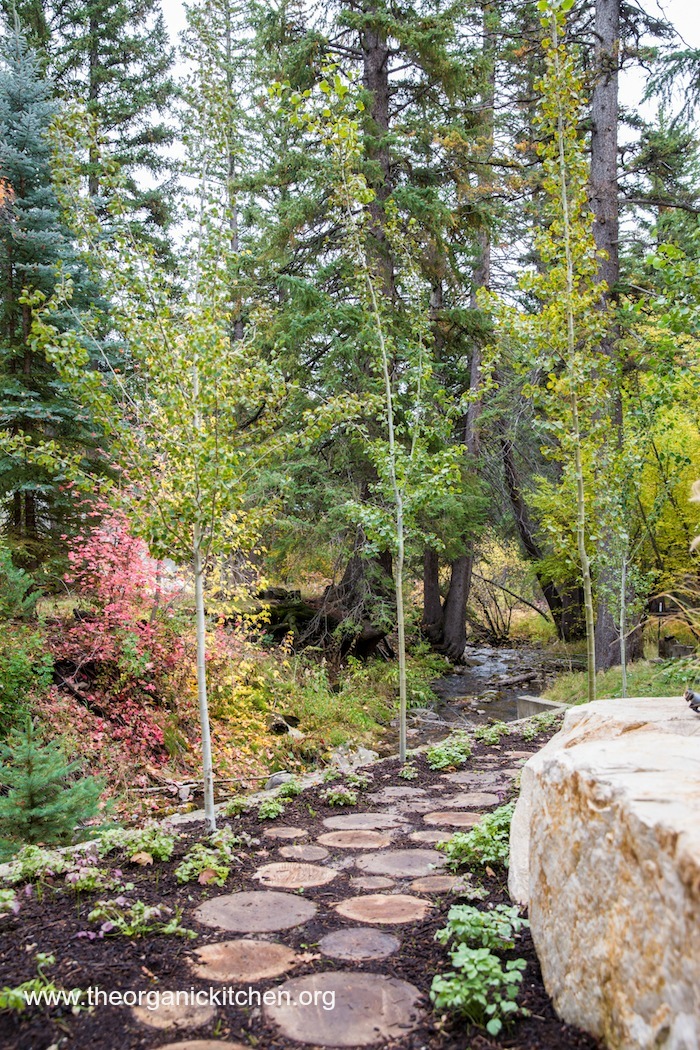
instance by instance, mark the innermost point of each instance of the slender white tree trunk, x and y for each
(571, 351)
(401, 617)
(207, 767)
(198, 566)
(623, 624)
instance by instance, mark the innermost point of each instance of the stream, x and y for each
(493, 684)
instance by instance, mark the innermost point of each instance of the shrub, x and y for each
(44, 802)
(450, 753)
(121, 642)
(487, 843)
(408, 771)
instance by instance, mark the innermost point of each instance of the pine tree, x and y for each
(44, 801)
(115, 57)
(45, 429)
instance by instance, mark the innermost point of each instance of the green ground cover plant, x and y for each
(36, 864)
(210, 861)
(408, 771)
(9, 905)
(491, 734)
(487, 843)
(151, 840)
(290, 789)
(538, 725)
(450, 753)
(236, 806)
(494, 928)
(270, 809)
(15, 999)
(339, 796)
(121, 916)
(479, 988)
(358, 781)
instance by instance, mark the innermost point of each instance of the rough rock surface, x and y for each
(605, 849)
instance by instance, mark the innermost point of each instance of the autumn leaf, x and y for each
(142, 858)
(207, 876)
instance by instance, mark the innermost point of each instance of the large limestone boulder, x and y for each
(605, 850)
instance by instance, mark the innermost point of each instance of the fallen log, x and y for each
(518, 679)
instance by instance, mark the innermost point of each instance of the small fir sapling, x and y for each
(44, 802)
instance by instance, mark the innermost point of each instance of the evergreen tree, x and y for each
(115, 57)
(44, 801)
(45, 430)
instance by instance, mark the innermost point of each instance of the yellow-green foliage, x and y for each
(665, 491)
(355, 707)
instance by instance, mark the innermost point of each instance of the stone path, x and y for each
(370, 874)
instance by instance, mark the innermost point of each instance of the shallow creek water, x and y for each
(483, 691)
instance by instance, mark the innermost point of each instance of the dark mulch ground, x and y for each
(50, 924)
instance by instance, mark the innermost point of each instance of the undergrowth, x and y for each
(643, 679)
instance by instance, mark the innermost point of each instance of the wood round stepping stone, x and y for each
(257, 911)
(478, 782)
(203, 1044)
(453, 818)
(401, 863)
(372, 882)
(303, 852)
(355, 839)
(435, 884)
(284, 832)
(175, 1016)
(287, 875)
(390, 794)
(471, 800)
(242, 960)
(384, 909)
(430, 836)
(364, 822)
(420, 805)
(358, 944)
(367, 1008)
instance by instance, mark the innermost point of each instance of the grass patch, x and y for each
(643, 679)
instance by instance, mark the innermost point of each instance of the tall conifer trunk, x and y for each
(606, 230)
(375, 77)
(455, 608)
